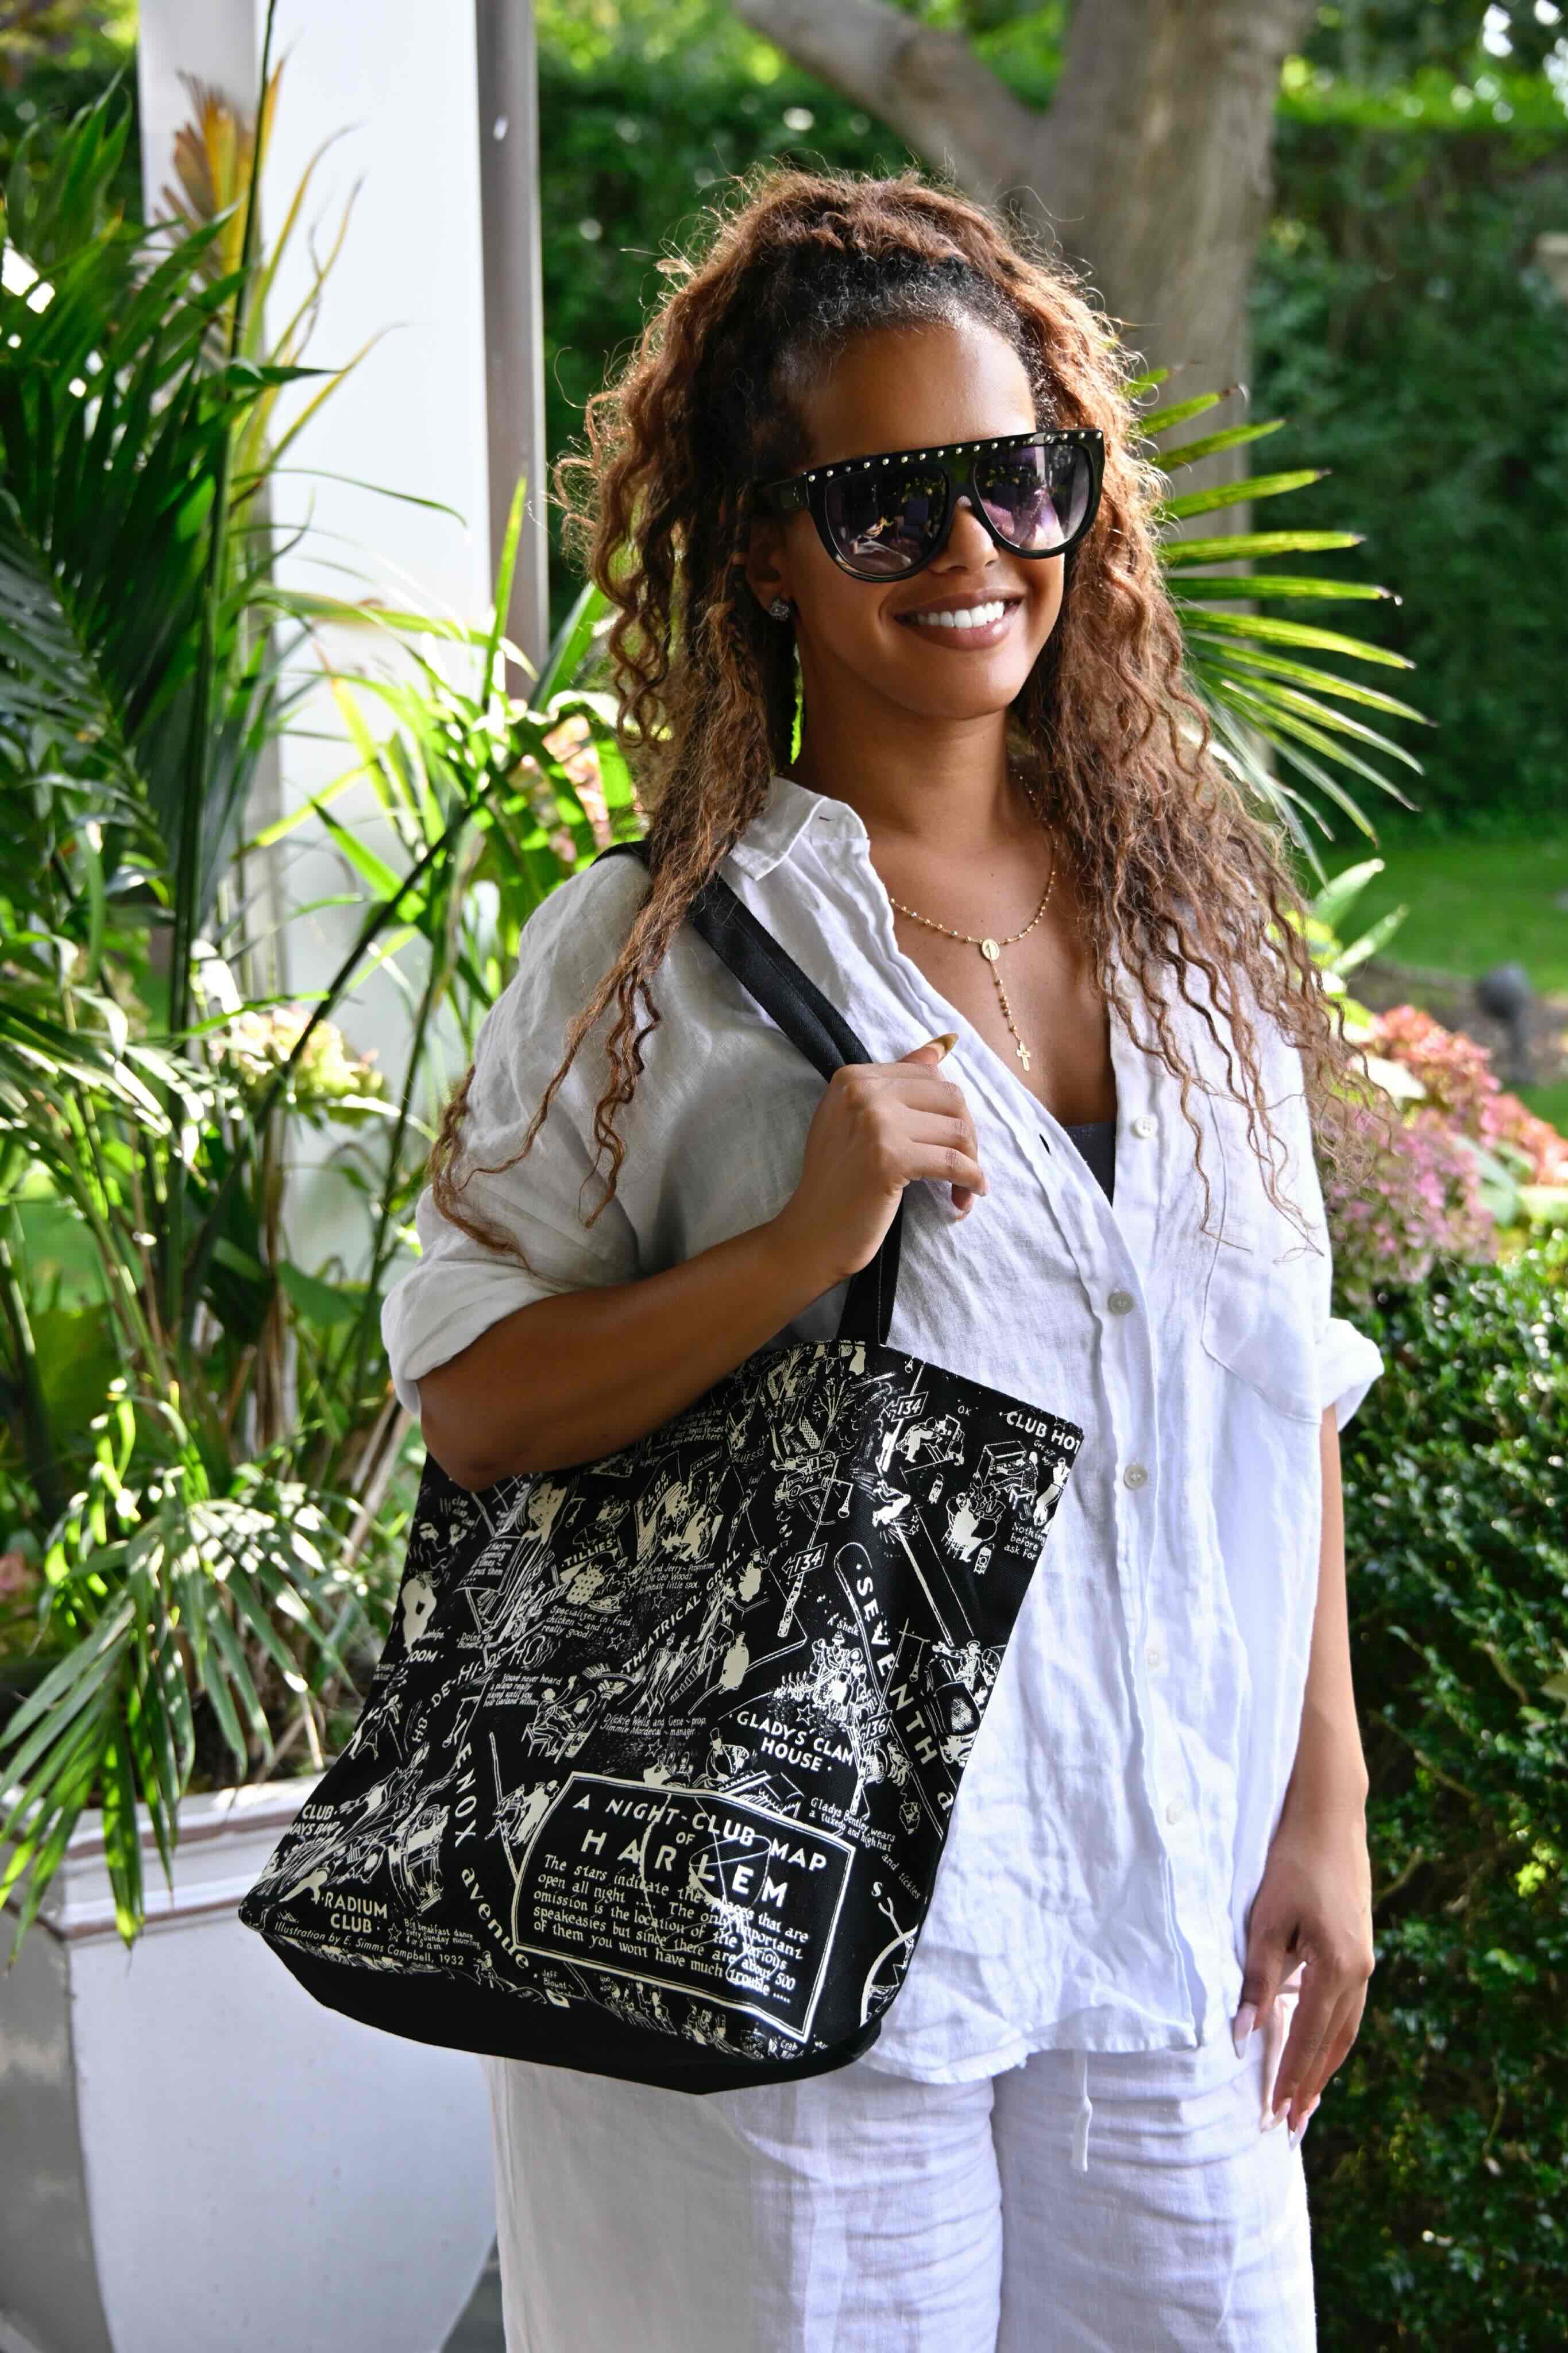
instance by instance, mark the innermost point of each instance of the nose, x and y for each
(967, 521)
(967, 536)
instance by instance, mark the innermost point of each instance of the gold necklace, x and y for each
(990, 949)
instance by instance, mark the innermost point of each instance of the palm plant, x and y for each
(141, 676)
(493, 801)
(1247, 667)
(199, 1435)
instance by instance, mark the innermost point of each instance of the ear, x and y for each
(767, 572)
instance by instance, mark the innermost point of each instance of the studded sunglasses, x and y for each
(884, 516)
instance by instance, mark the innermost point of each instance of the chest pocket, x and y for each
(1260, 1317)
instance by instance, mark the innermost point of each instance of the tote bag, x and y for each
(657, 1764)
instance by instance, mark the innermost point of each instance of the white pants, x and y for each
(860, 2212)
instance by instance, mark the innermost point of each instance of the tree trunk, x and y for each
(1151, 169)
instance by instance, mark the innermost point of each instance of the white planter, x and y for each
(197, 2157)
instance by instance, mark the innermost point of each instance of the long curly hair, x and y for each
(1171, 865)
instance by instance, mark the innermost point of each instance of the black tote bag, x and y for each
(657, 1764)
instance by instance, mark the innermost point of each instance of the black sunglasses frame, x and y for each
(958, 461)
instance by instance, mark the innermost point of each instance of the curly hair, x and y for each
(1171, 866)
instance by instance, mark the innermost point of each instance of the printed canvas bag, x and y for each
(656, 1768)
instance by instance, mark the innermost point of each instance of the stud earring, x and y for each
(780, 608)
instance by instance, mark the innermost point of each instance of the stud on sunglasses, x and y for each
(884, 516)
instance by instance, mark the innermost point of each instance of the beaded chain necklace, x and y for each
(990, 947)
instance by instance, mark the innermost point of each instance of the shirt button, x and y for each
(1120, 1303)
(1154, 1654)
(1135, 1475)
(1145, 1124)
(1174, 1810)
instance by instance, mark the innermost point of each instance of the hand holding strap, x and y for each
(813, 1023)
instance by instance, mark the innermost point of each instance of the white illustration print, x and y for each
(673, 1738)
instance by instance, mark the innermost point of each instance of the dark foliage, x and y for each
(1438, 2165)
(1403, 324)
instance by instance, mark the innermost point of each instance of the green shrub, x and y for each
(1437, 2166)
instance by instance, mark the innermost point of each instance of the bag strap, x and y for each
(811, 1022)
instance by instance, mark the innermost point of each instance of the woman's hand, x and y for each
(1311, 1914)
(878, 1127)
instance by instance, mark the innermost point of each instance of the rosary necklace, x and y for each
(990, 949)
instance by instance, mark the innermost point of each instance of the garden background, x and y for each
(1409, 322)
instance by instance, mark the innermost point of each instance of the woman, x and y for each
(1003, 847)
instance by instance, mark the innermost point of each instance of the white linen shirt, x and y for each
(1114, 1819)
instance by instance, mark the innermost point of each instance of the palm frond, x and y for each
(1245, 667)
(195, 1587)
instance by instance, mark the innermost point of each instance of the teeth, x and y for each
(970, 616)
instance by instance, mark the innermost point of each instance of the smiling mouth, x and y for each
(979, 624)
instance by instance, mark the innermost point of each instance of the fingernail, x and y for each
(1271, 2118)
(1246, 2016)
(947, 1041)
(1298, 2131)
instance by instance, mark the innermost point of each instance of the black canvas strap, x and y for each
(811, 1022)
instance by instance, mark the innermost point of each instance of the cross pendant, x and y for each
(1023, 1053)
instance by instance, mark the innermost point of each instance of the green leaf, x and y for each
(1333, 901)
(1267, 627)
(1377, 936)
(122, 1834)
(1235, 494)
(364, 861)
(86, 1669)
(1232, 438)
(1251, 657)
(1498, 1187)
(572, 644)
(322, 1303)
(215, 1685)
(509, 542)
(1177, 555)
(1155, 421)
(1279, 700)
(1245, 587)
(1267, 709)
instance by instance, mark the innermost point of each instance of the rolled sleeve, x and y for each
(459, 1286)
(1348, 1364)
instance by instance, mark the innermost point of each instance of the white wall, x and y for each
(396, 81)
(213, 39)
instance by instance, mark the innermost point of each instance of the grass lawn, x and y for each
(1549, 1102)
(1472, 904)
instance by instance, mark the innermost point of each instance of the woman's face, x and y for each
(912, 388)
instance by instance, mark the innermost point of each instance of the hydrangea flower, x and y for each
(1458, 1079)
(1423, 1201)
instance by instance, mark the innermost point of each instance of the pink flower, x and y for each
(1456, 1073)
(1422, 1201)
(1462, 1090)
(1547, 1151)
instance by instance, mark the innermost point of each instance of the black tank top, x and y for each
(1095, 1139)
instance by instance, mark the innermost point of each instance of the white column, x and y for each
(393, 92)
(215, 41)
(514, 307)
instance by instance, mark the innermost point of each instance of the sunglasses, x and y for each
(883, 517)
